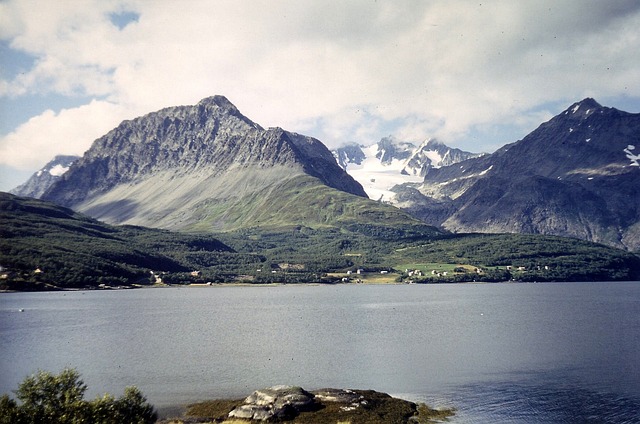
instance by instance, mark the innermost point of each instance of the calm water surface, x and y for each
(518, 353)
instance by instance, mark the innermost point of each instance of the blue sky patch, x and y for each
(122, 19)
(13, 111)
(13, 62)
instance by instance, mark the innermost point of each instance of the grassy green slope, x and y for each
(302, 200)
(497, 257)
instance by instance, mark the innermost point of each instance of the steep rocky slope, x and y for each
(577, 175)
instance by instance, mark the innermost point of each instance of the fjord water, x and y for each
(519, 353)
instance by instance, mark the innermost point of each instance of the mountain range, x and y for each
(577, 175)
(245, 203)
(208, 167)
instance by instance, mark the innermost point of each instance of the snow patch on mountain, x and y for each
(486, 170)
(434, 157)
(377, 178)
(635, 159)
(58, 170)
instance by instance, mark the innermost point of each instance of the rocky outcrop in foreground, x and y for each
(292, 403)
(277, 402)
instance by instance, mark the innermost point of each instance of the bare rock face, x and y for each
(277, 402)
(286, 402)
(289, 403)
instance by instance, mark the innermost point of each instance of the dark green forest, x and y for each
(45, 247)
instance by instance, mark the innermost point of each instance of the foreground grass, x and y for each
(379, 408)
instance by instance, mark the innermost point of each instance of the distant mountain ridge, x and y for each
(44, 178)
(207, 167)
(381, 166)
(577, 175)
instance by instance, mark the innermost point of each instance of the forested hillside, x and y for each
(44, 246)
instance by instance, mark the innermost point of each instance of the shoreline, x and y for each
(316, 284)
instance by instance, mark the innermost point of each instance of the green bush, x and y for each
(50, 398)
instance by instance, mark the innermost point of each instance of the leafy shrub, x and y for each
(59, 399)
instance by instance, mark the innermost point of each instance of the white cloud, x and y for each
(341, 70)
(70, 131)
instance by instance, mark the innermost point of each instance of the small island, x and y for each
(325, 406)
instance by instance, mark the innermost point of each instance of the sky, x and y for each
(474, 74)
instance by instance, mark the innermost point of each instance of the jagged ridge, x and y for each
(212, 135)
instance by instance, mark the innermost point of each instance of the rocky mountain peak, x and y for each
(434, 154)
(433, 144)
(211, 137)
(218, 100)
(390, 148)
(582, 109)
(222, 105)
(589, 103)
(349, 154)
(576, 175)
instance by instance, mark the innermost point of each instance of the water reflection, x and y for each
(537, 397)
(527, 403)
(516, 353)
